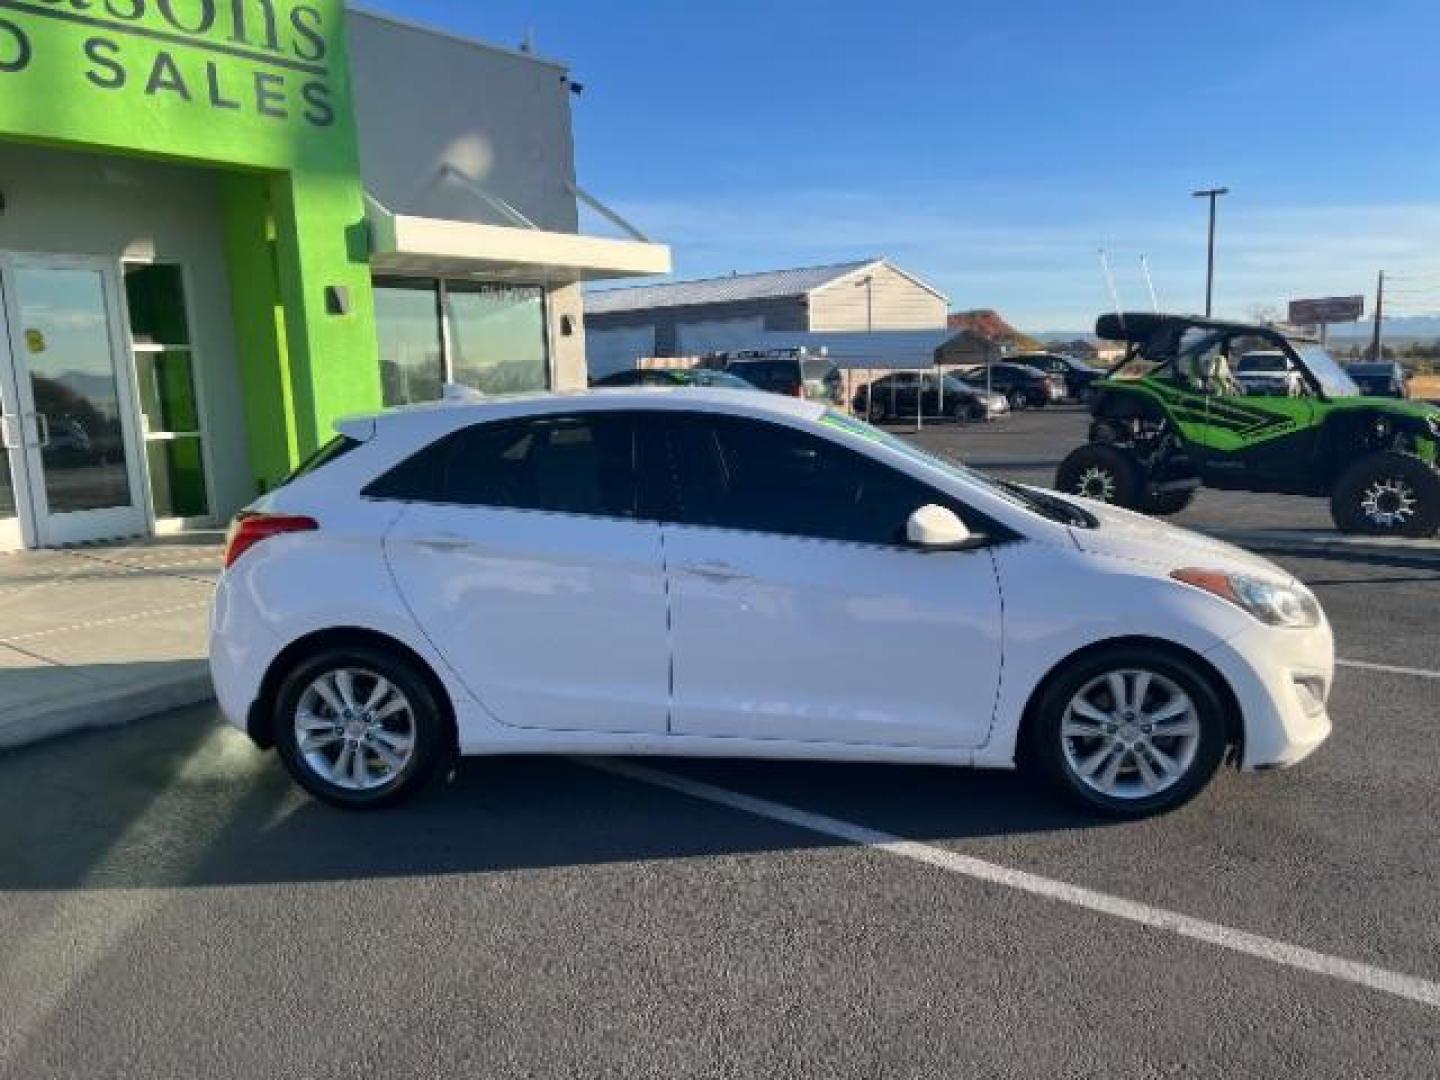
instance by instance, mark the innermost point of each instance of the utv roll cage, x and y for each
(1156, 339)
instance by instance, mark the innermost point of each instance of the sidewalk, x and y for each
(102, 635)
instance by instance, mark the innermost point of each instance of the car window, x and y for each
(581, 464)
(759, 477)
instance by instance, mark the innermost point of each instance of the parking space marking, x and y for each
(1408, 987)
(1389, 669)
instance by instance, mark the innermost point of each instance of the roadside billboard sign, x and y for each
(1329, 309)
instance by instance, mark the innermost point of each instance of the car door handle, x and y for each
(443, 542)
(714, 571)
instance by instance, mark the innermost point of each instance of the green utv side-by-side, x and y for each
(1170, 418)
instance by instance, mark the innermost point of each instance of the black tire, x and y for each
(1046, 746)
(1387, 494)
(1104, 473)
(876, 413)
(1019, 401)
(432, 741)
(1165, 503)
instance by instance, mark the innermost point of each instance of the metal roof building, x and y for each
(689, 318)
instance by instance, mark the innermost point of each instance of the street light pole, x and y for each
(1212, 194)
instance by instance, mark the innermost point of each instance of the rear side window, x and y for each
(760, 477)
(332, 451)
(581, 464)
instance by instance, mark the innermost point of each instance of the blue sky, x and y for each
(992, 149)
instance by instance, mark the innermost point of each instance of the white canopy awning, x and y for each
(404, 244)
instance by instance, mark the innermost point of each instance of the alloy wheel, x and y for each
(355, 729)
(1130, 734)
(1389, 502)
(1096, 483)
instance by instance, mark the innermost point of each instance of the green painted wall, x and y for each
(260, 89)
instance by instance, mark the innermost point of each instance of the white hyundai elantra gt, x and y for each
(717, 573)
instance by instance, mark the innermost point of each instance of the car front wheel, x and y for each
(1129, 732)
(359, 728)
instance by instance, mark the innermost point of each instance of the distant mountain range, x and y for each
(1393, 330)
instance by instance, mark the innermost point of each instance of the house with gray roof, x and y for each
(690, 318)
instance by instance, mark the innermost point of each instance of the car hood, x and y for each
(1123, 534)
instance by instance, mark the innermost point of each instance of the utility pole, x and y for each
(1212, 194)
(1379, 314)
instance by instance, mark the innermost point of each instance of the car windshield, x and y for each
(1262, 362)
(1330, 375)
(954, 385)
(1043, 503)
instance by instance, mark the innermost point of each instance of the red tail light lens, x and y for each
(248, 529)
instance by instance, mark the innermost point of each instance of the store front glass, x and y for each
(487, 337)
(71, 440)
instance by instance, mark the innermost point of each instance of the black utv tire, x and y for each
(1104, 473)
(1387, 494)
(1165, 503)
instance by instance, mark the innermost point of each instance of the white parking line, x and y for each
(1389, 669)
(1409, 987)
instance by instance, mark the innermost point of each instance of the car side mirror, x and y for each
(936, 528)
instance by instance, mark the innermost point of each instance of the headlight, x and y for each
(1272, 602)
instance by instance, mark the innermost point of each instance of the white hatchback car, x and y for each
(726, 574)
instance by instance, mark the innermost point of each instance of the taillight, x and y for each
(249, 528)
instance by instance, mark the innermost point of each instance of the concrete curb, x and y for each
(1399, 552)
(104, 707)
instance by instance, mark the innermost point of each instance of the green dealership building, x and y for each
(226, 223)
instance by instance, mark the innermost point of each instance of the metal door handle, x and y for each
(442, 543)
(714, 571)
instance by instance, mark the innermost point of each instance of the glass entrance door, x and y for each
(75, 422)
(12, 465)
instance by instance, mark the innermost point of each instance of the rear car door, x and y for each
(524, 555)
(798, 613)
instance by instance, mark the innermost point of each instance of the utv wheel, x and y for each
(1103, 473)
(359, 728)
(1129, 732)
(1165, 503)
(1387, 494)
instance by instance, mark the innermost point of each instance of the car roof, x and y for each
(439, 415)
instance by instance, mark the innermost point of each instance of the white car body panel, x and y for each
(775, 638)
(761, 668)
(494, 590)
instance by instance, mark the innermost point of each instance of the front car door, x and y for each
(797, 611)
(526, 557)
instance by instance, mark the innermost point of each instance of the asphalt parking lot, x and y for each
(172, 906)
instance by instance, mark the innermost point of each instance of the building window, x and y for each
(407, 321)
(488, 337)
(165, 378)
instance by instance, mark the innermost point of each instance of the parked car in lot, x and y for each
(1268, 373)
(704, 573)
(1171, 419)
(674, 377)
(791, 372)
(1075, 374)
(1024, 387)
(908, 393)
(1386, 379)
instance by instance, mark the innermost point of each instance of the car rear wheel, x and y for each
(359, 728)
(1129, 732)
(1103, 473)
(1387, 494)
